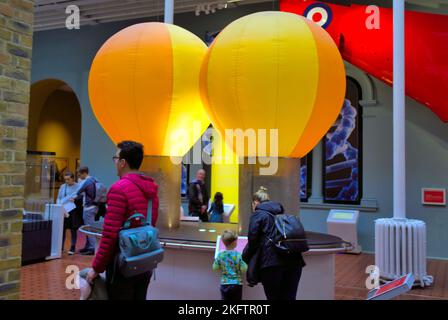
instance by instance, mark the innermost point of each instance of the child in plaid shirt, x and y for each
(232, 266)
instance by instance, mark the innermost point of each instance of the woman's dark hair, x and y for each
(132, 152)
(218, 198)
(69, 174)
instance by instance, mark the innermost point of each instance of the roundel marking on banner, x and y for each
(319, 13)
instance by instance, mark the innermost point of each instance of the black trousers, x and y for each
(231, 292)
(74, 237)
(202, 216)
(121, 288)
(281, 282)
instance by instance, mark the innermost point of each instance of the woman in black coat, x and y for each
(279, 274)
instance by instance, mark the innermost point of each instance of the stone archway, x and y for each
(55, 121)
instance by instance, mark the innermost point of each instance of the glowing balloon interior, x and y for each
(144, 86)
(274, 70)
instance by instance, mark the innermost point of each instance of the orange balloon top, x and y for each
(274, 71)
(144, 86)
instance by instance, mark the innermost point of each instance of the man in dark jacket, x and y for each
(198, 197)
(280, 275)
(127, 196)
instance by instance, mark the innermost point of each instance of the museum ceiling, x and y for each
(51, 14)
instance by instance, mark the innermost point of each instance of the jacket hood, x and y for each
(145, 183)
(271, 206)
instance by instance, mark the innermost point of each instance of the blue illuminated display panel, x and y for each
(341, 148)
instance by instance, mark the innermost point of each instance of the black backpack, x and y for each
(288, 235)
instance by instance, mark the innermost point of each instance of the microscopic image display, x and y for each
(342, 153)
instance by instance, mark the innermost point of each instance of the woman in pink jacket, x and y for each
(127, 196)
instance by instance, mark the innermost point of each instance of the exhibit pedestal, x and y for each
(283, 187)
(186, 274)
(186, 271)
(167, 175)
(55, 213)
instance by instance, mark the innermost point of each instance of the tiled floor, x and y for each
(351, 277)
(46, 281)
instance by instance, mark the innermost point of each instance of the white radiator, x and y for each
(400, 248)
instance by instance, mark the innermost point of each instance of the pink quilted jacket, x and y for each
(127, 196)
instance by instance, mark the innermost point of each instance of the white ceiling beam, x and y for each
(91, 13)
(61, 5)
(101, 17)
(99, 13)
(53, 16)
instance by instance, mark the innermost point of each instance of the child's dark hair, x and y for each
(218, 200)
(228, 237)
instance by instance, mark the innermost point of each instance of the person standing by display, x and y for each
(198, 197)
(129, 195)
(217, 208)
(279, 274)
(88, 190)
(74, 219)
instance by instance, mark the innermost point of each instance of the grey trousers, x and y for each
(89, 218)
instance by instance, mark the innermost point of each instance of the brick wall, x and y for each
(16, 32)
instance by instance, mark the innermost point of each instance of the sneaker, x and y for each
(88, 253)
(71, 251)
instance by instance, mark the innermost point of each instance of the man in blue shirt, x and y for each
(87, 188)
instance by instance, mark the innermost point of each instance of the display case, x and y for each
(39, 181)
(39, 193)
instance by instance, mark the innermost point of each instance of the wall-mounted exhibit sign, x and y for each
(434, 196)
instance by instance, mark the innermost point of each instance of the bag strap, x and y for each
(273, 225)
(127, 223)
(94, 188)
(148, 213)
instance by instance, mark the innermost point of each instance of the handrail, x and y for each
(165, 243)
(186, 245)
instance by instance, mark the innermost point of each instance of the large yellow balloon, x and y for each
(274, 70)
(144, 86)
